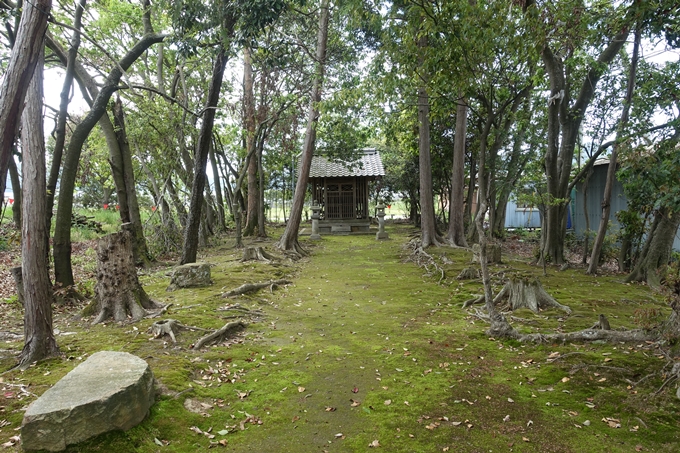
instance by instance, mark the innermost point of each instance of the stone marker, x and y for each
(190, 275)
(108, 391)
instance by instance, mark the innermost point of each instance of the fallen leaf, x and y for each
(338, 435)
(565, 379)
(301, 389)
(329, 409)
(388, 402)
(355, 403)
(638, 448)
(525, 439)
(296, 418)
(456, 423)
(510, 400)
(374, 444)
(355, 390)
(506, 418)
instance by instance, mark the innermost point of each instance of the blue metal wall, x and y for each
(519, 217)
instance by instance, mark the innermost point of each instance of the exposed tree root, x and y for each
(523, 293)
(243, 310)
(10, 336)
(170, 327)
(220, 334)
(258, 254)
(625, 336)
(252, 287)
(421, 258)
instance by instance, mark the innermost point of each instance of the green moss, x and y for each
(360, 327)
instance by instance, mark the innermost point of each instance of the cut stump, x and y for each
(523, 292)
(118, 293)
(258, 254)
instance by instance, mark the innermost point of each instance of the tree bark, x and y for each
(564, 122)
(249, 120)
(118, 293)
(26, 51)
(17, 191)
(654, 258)
(428, 227)
(39, 341)
(289, 238)
(139, 248)
(611, 170)
(62, 232)
(456, 233)
(190, 248)
(219, 199)
(60, 133)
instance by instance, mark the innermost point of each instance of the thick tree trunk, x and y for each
(654, 258)
(456, 233)
(191, 232)
(611, 171)
(289, 238)
(62, 231)
(118, 293)
(428, 227)
(39, 341)
(27, 48)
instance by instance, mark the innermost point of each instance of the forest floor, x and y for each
(365, 350)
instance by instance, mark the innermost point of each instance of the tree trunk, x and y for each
(190, 248)
(39, 341)
(564, 122)
(611, 171)
(62, 231)
(65, 99)
(218, 191)
(289, 238)
(17, 190)
(456, 233)
(27, 48)
(139, 249)
(118, 293)
(654, 258)
(249, 119)
(261, 205)
(428, 227)
(586, 235)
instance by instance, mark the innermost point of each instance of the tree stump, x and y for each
(118, 293)
(469, 273)
(257, 254)
(523, 292)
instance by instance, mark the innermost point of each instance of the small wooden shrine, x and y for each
(341, 190)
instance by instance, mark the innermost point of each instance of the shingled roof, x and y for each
(368, 164)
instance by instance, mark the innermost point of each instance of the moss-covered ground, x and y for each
(366, 349)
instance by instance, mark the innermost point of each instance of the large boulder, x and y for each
(192, 275)
(108, 391)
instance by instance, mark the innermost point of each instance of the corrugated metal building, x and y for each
(595, 192)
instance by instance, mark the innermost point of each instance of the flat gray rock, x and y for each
(190, 275)
(108, 391)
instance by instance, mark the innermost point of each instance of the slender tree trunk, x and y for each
(65, 98)
(611, 170)
(39, 341)
(190, 248)
(249, 119)
(261, 205)
(564, 122)
(289, 238)
(456, 233)
(586, 235)
(218, 191)
(139, 248)
(17, 190)
(62, 233)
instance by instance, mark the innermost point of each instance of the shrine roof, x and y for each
(368, 164)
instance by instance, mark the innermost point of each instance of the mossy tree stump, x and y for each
(118, 293)
(523, 292)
